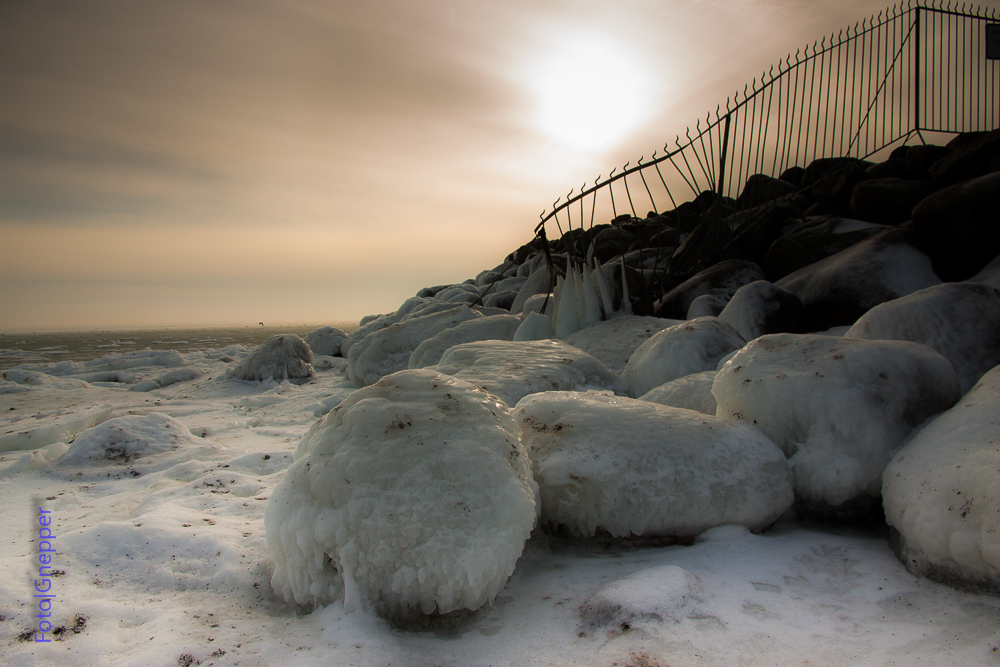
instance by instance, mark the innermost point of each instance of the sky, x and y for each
(229, 162)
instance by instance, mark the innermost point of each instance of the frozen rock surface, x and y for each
(691, 392)
(512, 370)
(326, 341)
(281, 357)
(959, 320)
(682, 349)
(942, 493)
(414, 493)
(989, 275)
(494, 327)
(838, 408)
(613, 341)
(666, 594)
(629, 467)
(762, 308)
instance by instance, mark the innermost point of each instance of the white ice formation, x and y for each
(613, 341)
(494, 327)
(280, 357)
(691, 392)
(326, 341)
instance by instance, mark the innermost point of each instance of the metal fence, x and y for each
(916, 68)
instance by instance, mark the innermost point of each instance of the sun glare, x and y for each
(591, 90)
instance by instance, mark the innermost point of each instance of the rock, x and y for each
(891, 168)
(326, 341)
(496, 327)
(755, 229)
(762, 308)
(427, 293)
(831, 182)
(629, 467)
(280, 357)
(414, 494)
(839, 408)
(785, 256)
(691, 392)
(613, 341)
(961, 321)
(972, 158)
(841, 288)
(990, 275)
(512, 370)
(793, 175)
(941, 495)
(688, 347)
(887, 201)
(706, 305)
(918, 159)
(612, 242)
(721, 280)
(760, 189)
(503, 300)
(826, 235)
(959, 226)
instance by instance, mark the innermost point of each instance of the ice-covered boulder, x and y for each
(688, 347)
(720, 280)
(613, 341)
(494, 327)
(990, 274)
(654, 595)
(839, 408)
(414, 493)
(326, 341)
(630, 467)
(959, 320)
(691, 392)
(706, 305)
(762, 308)
(388, 350)
(514, 369)
(942, 493)
(280, 357)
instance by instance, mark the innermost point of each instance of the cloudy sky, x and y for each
(229, 162)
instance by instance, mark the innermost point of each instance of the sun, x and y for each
(591, 90)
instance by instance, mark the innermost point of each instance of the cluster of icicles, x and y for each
(579, 300)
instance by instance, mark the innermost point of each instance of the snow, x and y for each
(629, 467)
(326, 341)
(959, 320)
(613, 341)
(839, 408)
(49, 429)
(514, 369)
(757, 305)
(688, 347)
(280, 357)
(494, 327)
(942, 492)
(691, 392)
(414, 494)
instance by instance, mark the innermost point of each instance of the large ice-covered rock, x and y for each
(280, 357)
(414, 493)
(512, 370)
(613, 341)
(688, 347)
(691, 392)
(630, 467)
(942, 493)
(989, 275)
(959, 320)
(494, 327)
(762, 308)
(326, 341)
(388, 350)
(839, 408)
(720, 280)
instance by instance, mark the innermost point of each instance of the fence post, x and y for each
(916, 71)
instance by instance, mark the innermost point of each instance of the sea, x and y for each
(54, 346)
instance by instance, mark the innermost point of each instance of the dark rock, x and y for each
(785, 256)
(920, 158)
(833, 185)
(959, 226)
(970, 160)
(690, 214)
(503, 299)
(721, 280)
(827, 235)
(611, 242)
(887, 201)
(428, 292)
(761, 308)
(755, 229)
(792, 175)
(891, 168)
(760, 189)
(824, 169)
(666, 237)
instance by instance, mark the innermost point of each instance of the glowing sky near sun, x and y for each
(188, 162)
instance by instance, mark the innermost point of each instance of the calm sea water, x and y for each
(43, 347)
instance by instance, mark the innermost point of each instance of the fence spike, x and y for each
(610, 175)
(625, 168)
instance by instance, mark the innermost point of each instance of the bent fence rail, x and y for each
(916, 68)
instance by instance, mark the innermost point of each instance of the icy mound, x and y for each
(326, 341)
(34, 433)
(691, 392)
(494, 327)
(613, 341)
(665, 593)
(630, 467)
(959, 320)
(512, 370)
(280, 357)
(414, 493)
(839, 408)
(689, 347)
(762, 308)
(942, 493)
(388, 350)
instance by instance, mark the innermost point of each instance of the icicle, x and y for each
(581, 299)
(607, 301)
(566, 322)
(534, 327)
(593, 305)
(557, 293)
(626, 302)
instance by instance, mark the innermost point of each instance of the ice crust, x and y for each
(682, 349)
(36, 433)
(494, 327)
(691, 392)
(838, 408)
(665, 594)
(751, 306)
(630, 467)
(942, 492)
(326, 341)
(613, 341)
(280, 357)
(414, 493)
(959, 320)
(514, 369)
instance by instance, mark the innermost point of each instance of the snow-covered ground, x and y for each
(159, 554)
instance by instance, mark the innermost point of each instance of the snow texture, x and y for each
(630, 467)
(50, 429)
(280, 357)
(666, 594)
(326, 341)
(942, 493)
(414, 494)
(691, 392)
(682, 349)
(838, 408)
(494, 327)
(613, 341)
(512, 370)
(959, 320)
(388, 350)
